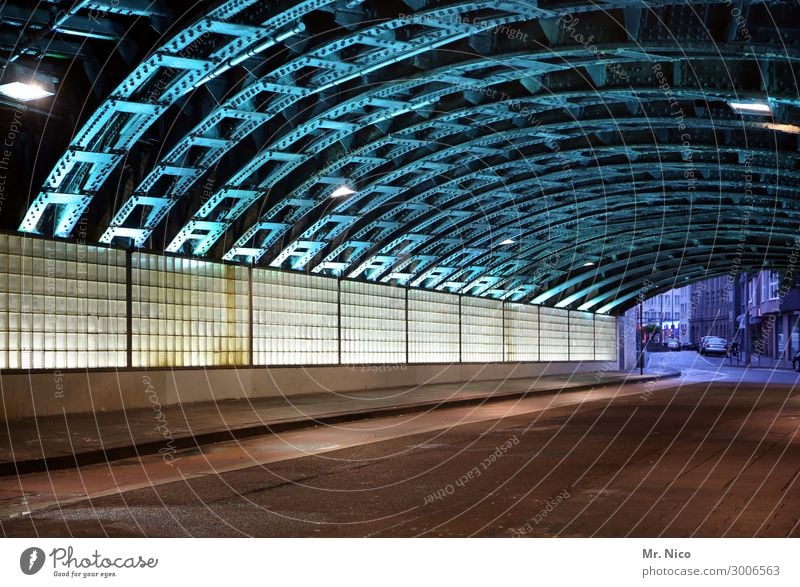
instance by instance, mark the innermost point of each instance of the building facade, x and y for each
(774, 302)
(767, 301)
(712, 309)
(670, 310)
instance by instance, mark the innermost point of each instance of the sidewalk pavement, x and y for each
(58, 442)
(761, 363)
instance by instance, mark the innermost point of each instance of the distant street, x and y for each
(714, 453)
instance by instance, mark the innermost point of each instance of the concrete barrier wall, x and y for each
(43, 394)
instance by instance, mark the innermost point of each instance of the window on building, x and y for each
(773, 285)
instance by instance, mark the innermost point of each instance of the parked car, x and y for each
(713, 345)
(687, 345)
(673, 345)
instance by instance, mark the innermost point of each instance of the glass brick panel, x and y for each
(605, 334)
(481, 330)
(373, 324)
(554, 334)
(294, 319)
(522, 332)
(581, 336)
(189, 313)
(62, 305)
(432, 327)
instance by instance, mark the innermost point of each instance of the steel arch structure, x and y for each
(535, 151)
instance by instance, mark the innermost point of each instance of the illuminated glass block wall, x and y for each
(553, 334)
(605, 331)
(521, 332)
(294, 319)
(189, 313)
(62, 305)
(581, 336)
(373, 323)
(65, 305)
(481, 330)
(433, 324)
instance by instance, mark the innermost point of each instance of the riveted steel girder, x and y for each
(511, 150)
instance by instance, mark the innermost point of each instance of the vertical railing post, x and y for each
(338, 321)
(460, 328)
(503, 328)
(407, 326)
(538, 334)
(569, 338)
(251, 314)
(129, 309)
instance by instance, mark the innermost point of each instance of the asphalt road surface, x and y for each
(713, 453)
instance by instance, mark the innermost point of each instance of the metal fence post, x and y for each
(538, 334)
(569, 338)
(407, 327)
(503, 329)
(129, 308)
(460, 336)
(251, 314)
(338, 321)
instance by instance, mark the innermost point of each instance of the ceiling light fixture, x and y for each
(342, 191)
(751, 107)
(24, 91)
(508, 241)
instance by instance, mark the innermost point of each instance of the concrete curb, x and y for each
(761, 367)
(147, 448)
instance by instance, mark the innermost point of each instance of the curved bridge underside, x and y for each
(562, 153)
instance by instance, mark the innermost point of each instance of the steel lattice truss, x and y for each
(552, 152)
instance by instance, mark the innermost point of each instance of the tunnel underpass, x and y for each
(370, 268)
